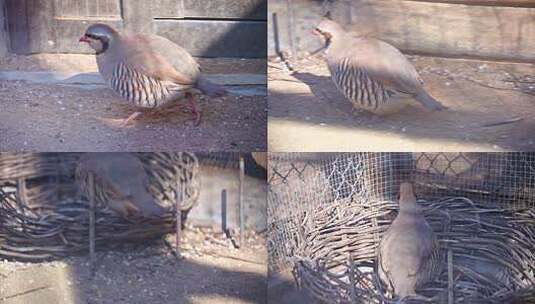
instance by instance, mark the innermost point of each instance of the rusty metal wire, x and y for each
(42, 216)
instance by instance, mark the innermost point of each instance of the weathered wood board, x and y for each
(4, 37)
(223, 28)
(494, 30)
(503, 33)
(244, 37)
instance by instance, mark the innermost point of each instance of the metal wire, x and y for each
(326, 208)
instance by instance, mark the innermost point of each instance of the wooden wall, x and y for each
(489, 29)
(222, 28)
(4, 37)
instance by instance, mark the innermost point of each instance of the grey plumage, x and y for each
(370, 71)
(409, 253)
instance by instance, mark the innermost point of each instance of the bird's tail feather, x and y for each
(209, 88)
(429, 102)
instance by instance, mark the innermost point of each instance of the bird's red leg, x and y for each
(130, 118)
(196, 113)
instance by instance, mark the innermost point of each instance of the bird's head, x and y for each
(328, 29)
(407, 199)
(99, 36)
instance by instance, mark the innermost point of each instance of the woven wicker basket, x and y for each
(489, 252)
(42, 215)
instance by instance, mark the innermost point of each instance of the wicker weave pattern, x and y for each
(43, 216)
(480, 206)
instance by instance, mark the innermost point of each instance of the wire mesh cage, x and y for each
(44, 215)
(327, 213)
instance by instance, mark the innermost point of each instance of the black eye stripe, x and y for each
(92, 36)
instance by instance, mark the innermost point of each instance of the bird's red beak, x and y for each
(84, 39)
(316, 32)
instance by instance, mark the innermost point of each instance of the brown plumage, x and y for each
(121, 184)
(147, 70)
(409, 252)
(370, 71)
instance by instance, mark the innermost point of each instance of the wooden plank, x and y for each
(216, 38)
(76, 9)
(42, 34)
(17, 25)
(501, 33)
(68, 32)
(168, 8)
(222, 9)
(137, 16)
(501, 3)
(4, 36)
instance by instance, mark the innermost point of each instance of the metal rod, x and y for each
(178, 206)
(224, 227)
(242, 219)
(450, 277)
(91, 186)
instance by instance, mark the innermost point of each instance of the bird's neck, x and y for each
(409, 207)
(337, 42)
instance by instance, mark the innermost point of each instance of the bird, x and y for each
(120, 184)
(369, 71)
(408, 253)
(148, 70)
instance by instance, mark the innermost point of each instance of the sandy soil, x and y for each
(307, 113)
(38, 117)
(212, 271)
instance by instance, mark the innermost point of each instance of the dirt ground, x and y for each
(39, 117)
(307, 113)
(211, 271)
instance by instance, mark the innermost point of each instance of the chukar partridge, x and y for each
(120, 183)
(147, 70)
(369, 71)
(409, 253)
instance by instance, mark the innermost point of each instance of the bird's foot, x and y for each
(196, 113)
(129, 119)
(195, 118)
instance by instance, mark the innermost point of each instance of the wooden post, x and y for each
(22, 199)
(180, 188)
(91, 187)
(276, 39)
(224, 227)
(291, 30)
(352, 282)
(242, 219)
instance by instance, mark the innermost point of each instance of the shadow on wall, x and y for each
(242, 36)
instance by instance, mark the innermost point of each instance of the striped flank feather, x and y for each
(358, 87)
(140, 89)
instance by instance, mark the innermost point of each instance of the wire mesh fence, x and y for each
(326, 214)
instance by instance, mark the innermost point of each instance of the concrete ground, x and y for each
(487, 110)
(212, 271)
(42, 112)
